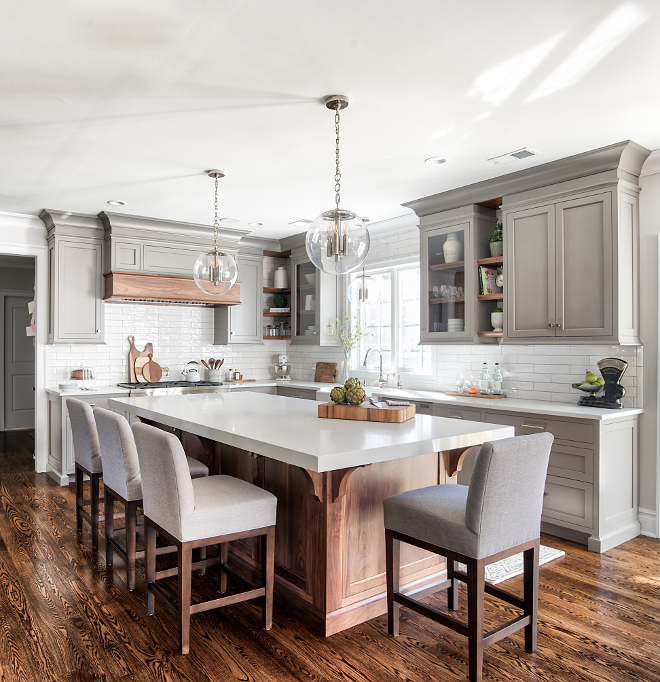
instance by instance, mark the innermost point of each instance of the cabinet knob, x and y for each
(550, 324)
(98, 331)
(558, 325)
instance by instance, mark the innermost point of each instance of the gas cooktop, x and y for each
(170, 384)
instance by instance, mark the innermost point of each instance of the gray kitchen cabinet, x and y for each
(315, 303)
(242, 323)
(269, 390)
(293, 392)
(75, 250)
(560, 270)
(459, 412)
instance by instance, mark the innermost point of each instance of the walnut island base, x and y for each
(330, 538)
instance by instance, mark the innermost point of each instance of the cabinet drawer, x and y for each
(466, 413)
(580, 432)
(291, 392)
(272, 390)
(568, 501)
(169, 260)
(569, 462)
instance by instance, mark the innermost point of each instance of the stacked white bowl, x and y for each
(456, 324)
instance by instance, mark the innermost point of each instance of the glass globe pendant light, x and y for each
(337, 242)
(363, 291)
(215, 272)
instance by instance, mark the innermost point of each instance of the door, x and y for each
(18, 364)
(529, 272)
(585, 266)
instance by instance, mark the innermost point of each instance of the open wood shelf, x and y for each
(277, 254)
(269, 314)
(448, 266)
(493, 260)
(458, 299)
(277, 338)
(491, 297)
(498, 335)
(273, 290)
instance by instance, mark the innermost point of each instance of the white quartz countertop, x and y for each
(540, 407)
(289, 430)
(97, 390)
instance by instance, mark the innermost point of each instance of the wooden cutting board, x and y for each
(362, 413)
(325, 372)
(134, 354)
(152, 371)
(476, 395)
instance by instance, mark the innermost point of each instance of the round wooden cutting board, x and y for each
(140, 365)
(152, 371)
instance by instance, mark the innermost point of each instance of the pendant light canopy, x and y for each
(337, 241)
(215, 271)
(363, 291)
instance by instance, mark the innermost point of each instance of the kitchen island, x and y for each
(330, 477)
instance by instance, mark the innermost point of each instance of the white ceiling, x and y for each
(117, 99)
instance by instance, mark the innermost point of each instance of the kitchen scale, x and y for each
(283, 368)
(611, 369)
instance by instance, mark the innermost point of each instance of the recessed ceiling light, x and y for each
(230, 221)
(116, 202)
(435, 160)
(255, 224)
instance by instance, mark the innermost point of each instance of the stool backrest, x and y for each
(506, 491)
(86, 448)
(121, 468)
(167, 488)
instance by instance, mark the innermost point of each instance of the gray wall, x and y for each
(650, 232)
(17, 278)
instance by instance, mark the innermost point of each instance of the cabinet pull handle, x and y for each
(455, 416)
(98, 331)
(550, 325)
(533, 426)
(545, 494)
(558, 325)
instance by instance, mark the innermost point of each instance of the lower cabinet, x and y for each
(61, 457)
(272, 390)
(293, 392)
(591, 487)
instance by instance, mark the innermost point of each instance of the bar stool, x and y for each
(122, 482)
(206, 511)
(497, 516)
(88, 461)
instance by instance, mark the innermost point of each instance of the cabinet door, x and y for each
(447, 284)
(585, 265)
(245, 319)
(78, 315)
(530, 272)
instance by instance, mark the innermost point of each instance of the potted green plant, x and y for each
(495, 240)
(497, 319)
(349, 333)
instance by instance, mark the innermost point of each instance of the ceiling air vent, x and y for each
(518, 155)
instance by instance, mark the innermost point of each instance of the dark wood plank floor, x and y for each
(65, 616)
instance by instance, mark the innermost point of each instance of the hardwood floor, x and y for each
(65, 616)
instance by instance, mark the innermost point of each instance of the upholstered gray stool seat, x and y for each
(196, 513)
(196, 468)
(497, 516)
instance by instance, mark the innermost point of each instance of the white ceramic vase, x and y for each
(496, 248)
(497, 320)
(281, 279)
(452, 248)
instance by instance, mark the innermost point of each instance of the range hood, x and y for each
(148, 260)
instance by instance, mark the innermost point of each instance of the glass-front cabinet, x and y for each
(315, 303)
(447, 296)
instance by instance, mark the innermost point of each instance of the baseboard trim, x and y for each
(60, 479)
(647, 518)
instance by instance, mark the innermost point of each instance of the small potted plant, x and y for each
(495, 240)
(497, 319)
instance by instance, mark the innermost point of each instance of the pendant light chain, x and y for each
(337, 171)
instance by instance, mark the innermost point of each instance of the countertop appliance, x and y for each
(283, 368)
(174, 388)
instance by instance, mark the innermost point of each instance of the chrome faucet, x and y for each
(381, 379)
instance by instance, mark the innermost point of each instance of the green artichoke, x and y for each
(355, 395)
(338, 395)
(352, 383)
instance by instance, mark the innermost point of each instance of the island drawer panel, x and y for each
(467, 413)
(569, 501)
(567, 461)
(292, 392)
(579, 432)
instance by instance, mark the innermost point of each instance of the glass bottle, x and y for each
(484, 380)
(496, 380)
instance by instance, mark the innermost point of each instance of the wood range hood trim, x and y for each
(140, 287)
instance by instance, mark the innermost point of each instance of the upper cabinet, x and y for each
(75, 252)
(316, 302)
(570, 261)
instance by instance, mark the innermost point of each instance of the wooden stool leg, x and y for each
(392, 567)
(150, 560)
(452, 592)
(476, 569)
(224, 547)
(79, 498)
(531, 595)
(202, 556)
(131, 542)
(95, 510)
(267, 574)
(184, 552)
(109, 526)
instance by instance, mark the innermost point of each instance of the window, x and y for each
(395, 322)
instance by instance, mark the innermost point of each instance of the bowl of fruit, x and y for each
(591, 383)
